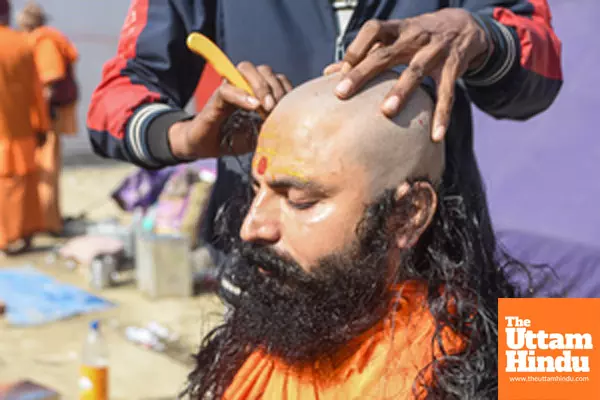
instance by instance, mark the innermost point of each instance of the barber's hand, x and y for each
(443, 44)
(201, 136)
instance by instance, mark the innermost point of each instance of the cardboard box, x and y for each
(27, 390)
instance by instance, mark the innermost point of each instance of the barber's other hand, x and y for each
(201, 136)
(443, 44)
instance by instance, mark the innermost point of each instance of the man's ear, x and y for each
(421, 204)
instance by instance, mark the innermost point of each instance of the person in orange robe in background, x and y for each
(23, 121)
(55, 57)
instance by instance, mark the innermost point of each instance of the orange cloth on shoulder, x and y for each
(383, 363)
(53, 53)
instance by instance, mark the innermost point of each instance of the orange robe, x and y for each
(23, 114)
(381, 364)
(54, 53)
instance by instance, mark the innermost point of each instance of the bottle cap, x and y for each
(95, 325)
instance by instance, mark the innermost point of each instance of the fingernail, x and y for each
(343, 88)
(253, 101)
(391, 105)
(439, 133)
(269, 102)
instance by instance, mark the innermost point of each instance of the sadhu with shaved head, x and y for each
(356, 275)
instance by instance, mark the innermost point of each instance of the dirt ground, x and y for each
(50, 354)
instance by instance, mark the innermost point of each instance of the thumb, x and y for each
(217, 109)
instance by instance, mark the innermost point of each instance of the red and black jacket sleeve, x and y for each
(522, 75)
(145, 87)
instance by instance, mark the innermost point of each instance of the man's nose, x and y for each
(261, 223)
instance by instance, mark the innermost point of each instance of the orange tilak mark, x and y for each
(287, 172)
(262, 165)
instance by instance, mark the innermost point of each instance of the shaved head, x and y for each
(392, 150)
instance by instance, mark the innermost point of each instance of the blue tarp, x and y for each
(33, 298)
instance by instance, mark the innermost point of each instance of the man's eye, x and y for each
(301, 205)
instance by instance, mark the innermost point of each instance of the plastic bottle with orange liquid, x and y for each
(93, 378)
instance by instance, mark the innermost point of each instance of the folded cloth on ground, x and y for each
(83, 249)
(33, 298)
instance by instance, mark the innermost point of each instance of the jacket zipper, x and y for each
(340, 49)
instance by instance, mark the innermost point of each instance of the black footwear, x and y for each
(18, 246)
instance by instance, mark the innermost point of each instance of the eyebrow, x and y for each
(293, 183)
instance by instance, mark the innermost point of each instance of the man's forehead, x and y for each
(271, 163)
(296, 127)
(276, 155)
(293, 145)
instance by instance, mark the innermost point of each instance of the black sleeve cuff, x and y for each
(501, 60)
(157, 137)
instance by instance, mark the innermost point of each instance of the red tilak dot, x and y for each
(262, 165)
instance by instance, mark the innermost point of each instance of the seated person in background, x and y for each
(356, 275)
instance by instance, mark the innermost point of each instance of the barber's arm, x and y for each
(510, 63)
(136, 113)
(146, 85)
(523, 75)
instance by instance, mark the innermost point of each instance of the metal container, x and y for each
(163, 265)
(109, 270)
(101, 271)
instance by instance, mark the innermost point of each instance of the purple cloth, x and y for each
(574, 271)
(142, 188)
(170, 211)
(542, 176)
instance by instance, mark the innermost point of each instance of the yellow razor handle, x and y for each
(205, 48)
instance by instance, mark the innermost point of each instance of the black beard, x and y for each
(299, 316)
(292, 314)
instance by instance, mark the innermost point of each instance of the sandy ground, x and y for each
(50, 354)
